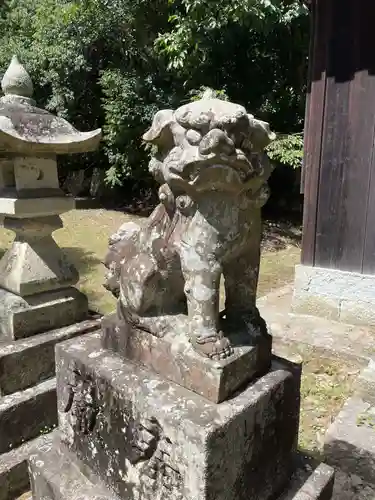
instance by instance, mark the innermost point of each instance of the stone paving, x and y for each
(350, 341)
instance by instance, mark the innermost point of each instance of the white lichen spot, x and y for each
(193, 262)
(203, 293)
(94, 354)
(152, 384)
(76, 347)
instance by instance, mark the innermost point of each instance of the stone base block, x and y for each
(350, 440)
(14, 476)
(29, 361)
(337, 295)
(145, 437)
(56, 475)
(173, 357)
(23, 317)
(26, 414)
(35, 207)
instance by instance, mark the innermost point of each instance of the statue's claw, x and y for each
(213, 345)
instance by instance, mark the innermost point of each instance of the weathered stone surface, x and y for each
(30, 361)
(55, 475)
(351, 487)
(16, 80)
(23, 317)
(35, 174)
(339, 295)
(35, 207)
(173, 357)
(31, 202)
(14, 476)
(350, 440)
(25, 128)
(328, 338)
(310, 482)
(35, 276)
(34, 263)
(142, 434)
(25, 414)
(209, 159)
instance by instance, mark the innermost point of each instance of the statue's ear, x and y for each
(260, 134)
(160, 123)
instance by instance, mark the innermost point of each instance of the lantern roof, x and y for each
(27, 129)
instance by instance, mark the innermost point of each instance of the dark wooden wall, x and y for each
(339, 164)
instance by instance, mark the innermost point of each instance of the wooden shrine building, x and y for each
(336, 278)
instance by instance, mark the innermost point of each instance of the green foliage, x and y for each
(129, 103)
(114, 63)
(287, 149)
(254, 50)
(93, 62)
(195, 21)
(203, 91)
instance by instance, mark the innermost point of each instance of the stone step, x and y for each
(26, 362)
(26, 414)
(14, 475)
(350, 440)
(310, 480)
(55, 476)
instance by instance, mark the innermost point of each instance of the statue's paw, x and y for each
(213, 345)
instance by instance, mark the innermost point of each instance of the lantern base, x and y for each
(23, 317)
(35, 263)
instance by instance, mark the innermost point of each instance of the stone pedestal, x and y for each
(127, 432)
(172, 357)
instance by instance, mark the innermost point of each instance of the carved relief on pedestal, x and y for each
(142, 441)
(158, 472)
(83, 403)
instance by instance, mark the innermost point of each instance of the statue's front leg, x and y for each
(202, 289)
(241, 280)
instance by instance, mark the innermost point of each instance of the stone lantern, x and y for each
(36, 280)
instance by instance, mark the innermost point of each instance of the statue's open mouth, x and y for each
(216, 172)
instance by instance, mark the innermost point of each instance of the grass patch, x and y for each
(327, 382)
(277, 268)
(367, 418)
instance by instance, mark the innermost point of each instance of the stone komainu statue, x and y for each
(208, 157)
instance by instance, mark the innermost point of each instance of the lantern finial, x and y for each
(16, 80)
